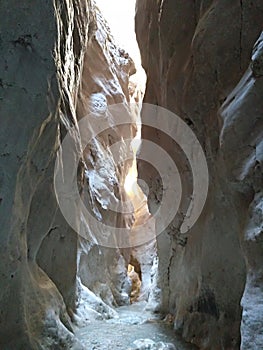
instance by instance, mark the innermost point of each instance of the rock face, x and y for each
(242, 130)
(58, 63)
(104, 82)
(195, 54)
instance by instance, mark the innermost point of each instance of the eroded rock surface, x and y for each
(105, 82)
(194, 54)
(58, 63)
(242, 147)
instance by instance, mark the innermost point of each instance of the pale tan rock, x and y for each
(45, 67)
(194, 54)
(104, 82)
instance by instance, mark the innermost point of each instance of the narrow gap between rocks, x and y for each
(84, 264)
(120, 17)
(135, 323)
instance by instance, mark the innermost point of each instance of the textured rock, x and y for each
(143, 242)
(56, 60)
(242, 130)
(148, 344)
(33, 313)
(102, 269)
(59, 63)
(194, 54)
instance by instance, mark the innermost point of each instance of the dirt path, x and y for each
(134, 329)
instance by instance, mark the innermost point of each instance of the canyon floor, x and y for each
(134, 328)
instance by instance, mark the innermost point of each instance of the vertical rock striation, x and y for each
(194, 54)
(56, 59)
(104, 82)
(242, 147)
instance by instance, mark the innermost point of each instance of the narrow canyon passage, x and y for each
(131, 175)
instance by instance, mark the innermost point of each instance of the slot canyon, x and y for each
(131, 197)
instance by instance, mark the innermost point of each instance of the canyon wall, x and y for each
(197, 57)
(105, 82)
(58, 63)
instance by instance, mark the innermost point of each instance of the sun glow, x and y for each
(130, 183)
(120, 16)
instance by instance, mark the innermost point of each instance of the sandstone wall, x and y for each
(194, 54)
(105, 80)
(51, 56)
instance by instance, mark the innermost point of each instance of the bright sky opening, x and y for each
(120, 16)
